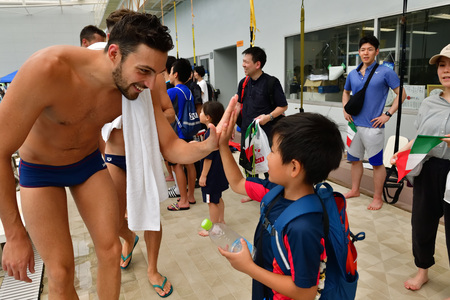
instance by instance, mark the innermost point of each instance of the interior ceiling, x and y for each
(101, 8)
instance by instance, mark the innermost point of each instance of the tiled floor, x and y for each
(197, 270)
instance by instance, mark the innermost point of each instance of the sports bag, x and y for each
(189, 123)
(356, 102)
(341, 276)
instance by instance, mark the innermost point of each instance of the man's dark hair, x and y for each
(133, 30)
(169, 62)
(311, 139)
(200, 70)
(369, 39)
(183, 67)
(116, 16)
(88, 33)
(215, 110)
(257, 54)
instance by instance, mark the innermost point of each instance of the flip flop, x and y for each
(130, 255)
(175, 207)
(178, 200)
(172, 193)
(162, 288)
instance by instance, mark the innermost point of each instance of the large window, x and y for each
(332, 47)
(427, 34)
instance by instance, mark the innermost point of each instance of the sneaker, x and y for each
(172, 193)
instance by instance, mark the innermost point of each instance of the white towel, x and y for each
(146, 186)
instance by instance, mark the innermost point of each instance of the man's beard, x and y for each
(121, 84)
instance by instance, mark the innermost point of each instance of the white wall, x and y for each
(221, 23)
(24, 34)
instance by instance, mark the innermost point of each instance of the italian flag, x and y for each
(351, 131)
(409, 159)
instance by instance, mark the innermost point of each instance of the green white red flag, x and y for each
(351, 131)
(407, 160)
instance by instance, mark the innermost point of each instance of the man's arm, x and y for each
(14, 128)
(178, 151)
(381, 120)
(278, 111)
(345, 99)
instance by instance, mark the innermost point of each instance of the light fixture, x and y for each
(441, 16)
(422, 32)
(381, 29)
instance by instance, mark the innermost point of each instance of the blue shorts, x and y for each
(117, 160)
(35, 175)
(212, 198)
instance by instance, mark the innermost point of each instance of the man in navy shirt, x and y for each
(257, 103)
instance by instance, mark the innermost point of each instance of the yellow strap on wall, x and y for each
(252, 23)
(193, 35)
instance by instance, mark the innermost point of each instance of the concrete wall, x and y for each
(23, 34)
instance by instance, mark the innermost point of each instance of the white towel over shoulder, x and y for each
(146, 186)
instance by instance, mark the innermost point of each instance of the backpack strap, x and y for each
(244, 84)
(296, 209)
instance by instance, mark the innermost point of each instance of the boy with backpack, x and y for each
(306, 148)
(182, 100)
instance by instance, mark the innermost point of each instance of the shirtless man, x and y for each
(56, 125)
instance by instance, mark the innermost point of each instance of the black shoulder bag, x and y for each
(356, 102)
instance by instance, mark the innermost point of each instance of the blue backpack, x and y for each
(189, 123)
(341, 276)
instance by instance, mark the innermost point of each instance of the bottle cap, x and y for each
(207, 224)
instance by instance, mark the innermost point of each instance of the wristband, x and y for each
(388, 114)
(271, 117)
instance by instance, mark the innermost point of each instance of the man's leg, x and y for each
(153, 242)
(119, 178)
(45, 213)
(357, 172)
(181, 181)
(192, 175)
(379, 176)
(97, 203)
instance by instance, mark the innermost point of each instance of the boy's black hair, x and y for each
(257, 54)
(215, 110)
(89, 31)
(169, 62)
(133, 30)
(313, 140)
(200, 70)
(369, 39)
(183, 67)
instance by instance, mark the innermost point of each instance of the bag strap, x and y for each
(185, 97)
(271, 90)
(370, 76)
(244, 84)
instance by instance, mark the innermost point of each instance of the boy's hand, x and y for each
(242, 260)
(394, 158)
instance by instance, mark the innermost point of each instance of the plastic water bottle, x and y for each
(225, 237)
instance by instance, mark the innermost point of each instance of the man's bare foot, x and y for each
(246, 199)
(375, 205)
(351, 194)
(415, 283)
(203, 233)
(161, 285)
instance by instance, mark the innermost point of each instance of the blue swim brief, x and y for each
(35, 175)
(117, 160)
